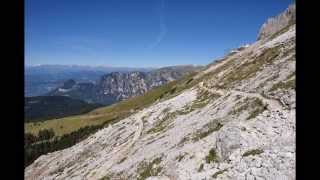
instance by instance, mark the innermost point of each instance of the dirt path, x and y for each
(273, 104)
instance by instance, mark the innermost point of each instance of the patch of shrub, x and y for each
(252, 152)
(212, 156)
(146, 170)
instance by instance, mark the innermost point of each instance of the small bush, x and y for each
(252, 152)
(212, 156)
(147, 169)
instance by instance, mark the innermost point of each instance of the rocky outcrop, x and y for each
(117, 86)
(275, 24)
(123, 85)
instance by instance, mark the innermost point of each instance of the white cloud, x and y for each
(163, 27)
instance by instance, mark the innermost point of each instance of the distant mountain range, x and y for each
(42, 79)
(116, 86)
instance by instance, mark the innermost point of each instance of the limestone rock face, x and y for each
(275, 24)
(116, 86)
(237, 121)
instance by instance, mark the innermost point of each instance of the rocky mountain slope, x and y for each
(275, 24)
(234, 120)
(117, 86)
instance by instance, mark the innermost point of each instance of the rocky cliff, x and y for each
(234, 120)
(117, 86)
(275, 24)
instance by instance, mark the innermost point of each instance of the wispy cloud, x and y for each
(163, 27)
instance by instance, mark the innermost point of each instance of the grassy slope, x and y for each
(111, 113)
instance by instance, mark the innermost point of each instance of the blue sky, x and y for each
(140, 33)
